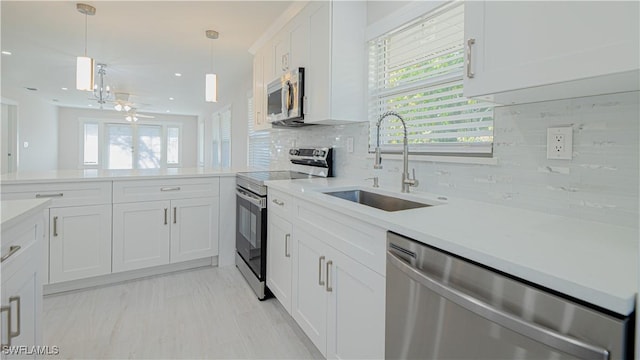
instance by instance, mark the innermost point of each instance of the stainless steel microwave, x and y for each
(285, 97)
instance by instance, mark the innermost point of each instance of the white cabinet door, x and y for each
(19, 295)
(281, 53)
(299, 42)
(309, 297)
(140, 235)
(79, 242)
(279, 259)
(528, 44)
(21, 284)
(194, 229)
(318, 72)
(259, 93)
(356, 311)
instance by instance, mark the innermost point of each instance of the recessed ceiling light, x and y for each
(6, 52)
(55, 100)
(65, 89)
(90, 105)
(170, 98)
(178, 74)
(31, 89)
(168, 110)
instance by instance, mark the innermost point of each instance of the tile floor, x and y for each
(208, 313)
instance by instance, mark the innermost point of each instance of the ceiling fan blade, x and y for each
(145, 116)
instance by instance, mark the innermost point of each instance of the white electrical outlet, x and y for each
(560, 143)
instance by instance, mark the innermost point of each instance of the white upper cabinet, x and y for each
(327, 39)
(335, 83)
(520, 52)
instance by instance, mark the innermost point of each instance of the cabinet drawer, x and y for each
(62, 194)
(280, 203)
(164, 189)
(359, 240)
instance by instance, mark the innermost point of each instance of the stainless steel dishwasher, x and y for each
(439, 306)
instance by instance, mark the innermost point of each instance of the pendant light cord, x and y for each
(211, 56)
(86, 27)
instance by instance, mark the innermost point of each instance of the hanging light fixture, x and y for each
(85, 64)
(101, 92)
(211, 80)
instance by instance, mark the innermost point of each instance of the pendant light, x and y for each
(211, 80)
(85, 64)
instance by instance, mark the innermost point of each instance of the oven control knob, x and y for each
(318, 153)
(294, 152)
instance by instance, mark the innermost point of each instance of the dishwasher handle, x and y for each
(533, 331)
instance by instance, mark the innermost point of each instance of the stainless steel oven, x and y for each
(251, 210)
(440, 306)
(251, 236)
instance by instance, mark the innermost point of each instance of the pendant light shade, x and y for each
(211, 88)
(84, 73)
(85, 64)
(211, 80)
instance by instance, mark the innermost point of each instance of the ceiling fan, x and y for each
(132, 115)
(122, 104)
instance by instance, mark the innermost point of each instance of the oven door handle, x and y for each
(533, 331)
(257, 201)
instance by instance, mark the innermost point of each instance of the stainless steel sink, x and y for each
(378, 201)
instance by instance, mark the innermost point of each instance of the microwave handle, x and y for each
(284, 94)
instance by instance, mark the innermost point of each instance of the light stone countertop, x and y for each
(14, 211)
(591, 261)
(108, 175)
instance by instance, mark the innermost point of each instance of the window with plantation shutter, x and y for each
(259, 142)
(416, 70)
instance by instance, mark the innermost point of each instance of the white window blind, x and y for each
(259, 154)
(416, 70)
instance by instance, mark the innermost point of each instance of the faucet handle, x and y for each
(375, 181)
(412, 181)
(378, 159)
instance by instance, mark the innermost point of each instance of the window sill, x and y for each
(440, 159)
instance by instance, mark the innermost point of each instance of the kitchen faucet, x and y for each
(406, 180)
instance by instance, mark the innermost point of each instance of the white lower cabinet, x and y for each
(141, 234)
(194, 228)
(153, 233)
(21, 284)
(338, 302)
(279, 259)
(79, 242)
(309, 298)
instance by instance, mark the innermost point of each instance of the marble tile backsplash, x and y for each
(599, 184)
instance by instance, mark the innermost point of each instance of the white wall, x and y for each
(69, 136)
(239, 121)
(37, 125)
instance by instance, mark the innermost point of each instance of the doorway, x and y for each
(9, 139)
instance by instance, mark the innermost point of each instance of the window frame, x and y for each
(103, 141)
(381, 30)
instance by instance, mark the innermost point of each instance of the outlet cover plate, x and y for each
(560, 143)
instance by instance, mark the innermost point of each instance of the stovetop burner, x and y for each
(310, 162)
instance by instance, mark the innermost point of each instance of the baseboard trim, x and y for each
(110, 279)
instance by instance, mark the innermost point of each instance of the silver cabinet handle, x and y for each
(533, 331)
(329, 288)
(175, 213)
(6, 309)
(16, 333)
(286, 245)
(38, 196)
(55, 226)
(12, 250)
(278, 202)
(175, 188)
(320, 260)
(165, 215)
(470, 73)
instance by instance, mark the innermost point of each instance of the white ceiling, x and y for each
(143, 44)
